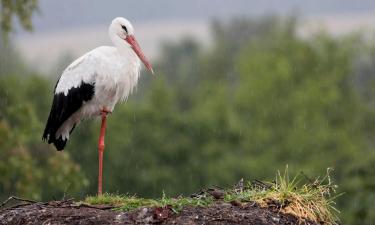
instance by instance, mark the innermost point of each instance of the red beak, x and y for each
(135, 46)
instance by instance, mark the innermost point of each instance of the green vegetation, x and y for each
(127, 203)
(259, 98)
(312, 200)
(21, 9)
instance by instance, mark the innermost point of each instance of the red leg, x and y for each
(101, 150)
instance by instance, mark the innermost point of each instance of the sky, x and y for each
(56, 14)
(76, 26)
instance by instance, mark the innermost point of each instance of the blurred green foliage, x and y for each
(20, 9)
(28, 167)
(258, 98)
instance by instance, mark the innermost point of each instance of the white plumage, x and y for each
(112, 73)
(93, 84)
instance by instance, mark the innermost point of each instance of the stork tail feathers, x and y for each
(63, 107)
(50, 137)
(60, 143)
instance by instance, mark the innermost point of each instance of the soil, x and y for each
(69, 212)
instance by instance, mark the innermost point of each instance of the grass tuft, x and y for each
(312, 200)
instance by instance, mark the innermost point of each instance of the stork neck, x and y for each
(124, 48)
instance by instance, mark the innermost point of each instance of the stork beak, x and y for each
(135, 46)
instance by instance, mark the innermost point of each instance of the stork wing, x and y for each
(75, 86)
(81, 70)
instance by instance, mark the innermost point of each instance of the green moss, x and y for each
(126, 203)
(313, 200)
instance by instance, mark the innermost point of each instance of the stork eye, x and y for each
(125, 29)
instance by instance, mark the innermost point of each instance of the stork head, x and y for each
(123, 29)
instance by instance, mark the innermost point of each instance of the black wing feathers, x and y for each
(63, 107)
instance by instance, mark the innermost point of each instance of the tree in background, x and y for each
(258, 99)
(244, 109)
(19, 9)
(28, 167)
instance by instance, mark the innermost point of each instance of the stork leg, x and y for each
(104, 114)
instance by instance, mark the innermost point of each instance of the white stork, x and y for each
(93, 84)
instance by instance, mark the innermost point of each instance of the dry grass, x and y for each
(312, 200)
